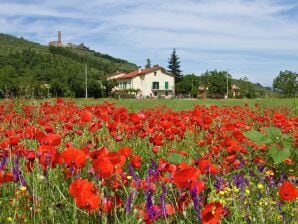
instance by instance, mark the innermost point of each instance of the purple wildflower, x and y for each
(261, 168)
(3, 162)
(15, 169)
(279, 207)
(134, 176)
(162, 201)
(242, 163)
(219, 183)
(195, 200)
(283, 177)
(149, 204)
(270, 181)
(240, 182)
(17, 176)
(129, 201)
(153, 169)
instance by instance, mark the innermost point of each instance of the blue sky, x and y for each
(249, 38)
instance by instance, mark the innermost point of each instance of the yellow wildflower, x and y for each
(260, 186)
(23, 188)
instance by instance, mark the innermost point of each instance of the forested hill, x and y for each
(28, 69)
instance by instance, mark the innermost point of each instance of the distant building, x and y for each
(202, 92)
(235, 90)
(57, 43)
(71, 45)
(152, 82)
(82, 47)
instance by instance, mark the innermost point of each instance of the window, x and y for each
(155, 93)
(166, 85)
(154, 73)
(124, 85)
(166, 93)
(155, 85)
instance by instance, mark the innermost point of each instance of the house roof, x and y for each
(141, 72)
(116, 73)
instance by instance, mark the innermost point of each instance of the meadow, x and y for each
(148, 161)
(182, 104)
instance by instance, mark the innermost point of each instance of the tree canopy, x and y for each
(217, 82)
(287, 83)
(174, 66)
(28, 69)
(148, 63)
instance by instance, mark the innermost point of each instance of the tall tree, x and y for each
(148, 63)
(287, 83)
(217, 82)
(174, 66)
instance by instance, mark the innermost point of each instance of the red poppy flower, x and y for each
(7, 177)
(47, 155)
(86, 116)
(88, 201)
(73, 158)
(135, 118)
(125, 151)
(288, 191)
(183, 178)
(14, 140)
(107, 205)
(136, 161)
(80, 185)
(59, 101)
(156, 140)
(212, 213)
(154, 149)
(103, 167)
(207, 167)
(116, 159)
(53, 139)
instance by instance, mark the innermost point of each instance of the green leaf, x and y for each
(264, 140)
(288, 138)
(279, 155)
(175, 158)
(257, 137)
(253, 135)
(273, 132)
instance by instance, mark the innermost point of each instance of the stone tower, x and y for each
(59, 44)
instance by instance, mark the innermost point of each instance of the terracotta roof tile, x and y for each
(140, 72)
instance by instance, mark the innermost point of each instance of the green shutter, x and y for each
(166, 85)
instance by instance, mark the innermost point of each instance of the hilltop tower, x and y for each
(59, 39)
(57, 43)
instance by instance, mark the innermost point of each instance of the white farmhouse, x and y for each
(152, 82)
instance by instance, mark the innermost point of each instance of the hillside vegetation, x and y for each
(28, 69)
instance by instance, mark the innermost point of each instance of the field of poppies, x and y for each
(103, 163)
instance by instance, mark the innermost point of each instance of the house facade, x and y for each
(152, 82)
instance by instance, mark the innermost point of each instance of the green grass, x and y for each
(185, 104)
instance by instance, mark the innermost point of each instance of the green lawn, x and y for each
(184, 104)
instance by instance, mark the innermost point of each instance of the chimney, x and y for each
(59, 38)
(140, 70)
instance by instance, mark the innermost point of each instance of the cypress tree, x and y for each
(174, 66)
